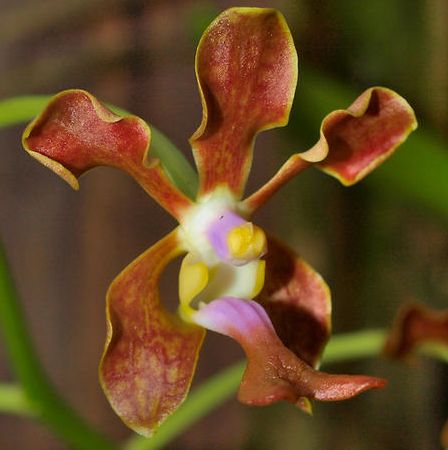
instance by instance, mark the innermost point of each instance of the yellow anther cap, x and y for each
(246, 242)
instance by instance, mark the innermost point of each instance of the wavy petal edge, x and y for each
(222, 144)
(76, 132)
(150, 356)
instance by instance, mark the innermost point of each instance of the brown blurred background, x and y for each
(375, 250)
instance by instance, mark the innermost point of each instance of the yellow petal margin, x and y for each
(352, 143)
(150, 355)
(246, 67)
(75, 133)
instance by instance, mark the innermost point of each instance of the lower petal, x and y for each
(150, 356)
(297, 301)
(273, 372)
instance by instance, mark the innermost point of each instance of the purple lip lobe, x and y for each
(235, 317)
(218, 230)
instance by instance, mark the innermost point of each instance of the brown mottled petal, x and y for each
(361, 137)
(76, 133)
(150, 355)
(273, 372)
(246, 66)
(298, 302)
(352, 142)
(414, 325)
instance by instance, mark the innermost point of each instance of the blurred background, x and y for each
(378, 244)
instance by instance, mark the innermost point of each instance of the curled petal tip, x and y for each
(57, 168)
(360, 138)
(76, 133)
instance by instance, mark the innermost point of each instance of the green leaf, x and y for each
(14, 401)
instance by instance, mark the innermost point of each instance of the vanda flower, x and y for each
(416, 326)
(234, 279)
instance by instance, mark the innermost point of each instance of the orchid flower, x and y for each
(415, 326)
(234, 279)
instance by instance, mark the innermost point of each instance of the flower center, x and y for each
(224, 257)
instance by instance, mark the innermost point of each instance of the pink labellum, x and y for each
(273, 372)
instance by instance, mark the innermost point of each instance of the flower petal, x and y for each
(361, 137)
(298, 302)
(352, 142)
(246, 66)
(76, 133)
(150, 355)
(273, 372)
(414, 325)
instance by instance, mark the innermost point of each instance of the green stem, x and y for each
(212, 393)
(14, 401)
(356, 345)
(39, 394)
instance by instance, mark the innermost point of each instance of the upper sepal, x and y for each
(150, 355)
(358, 139)
(273, 372)
(76, 132)
(246, 66)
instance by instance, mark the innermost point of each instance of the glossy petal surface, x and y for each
(150, 355)
(246, 66)
(273, 372)
(352, 143)
(76, 133)
(298, 302)
(415, 325)
(361, 137)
